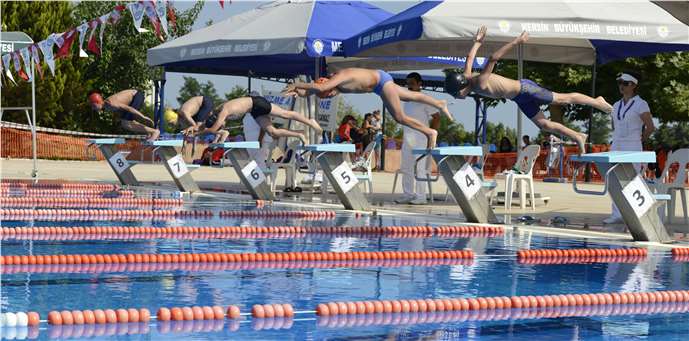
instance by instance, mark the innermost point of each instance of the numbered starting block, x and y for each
(464, 184)
(116, 159)
(629, 192)
(174, 163)
(330, 157)
(248, 170)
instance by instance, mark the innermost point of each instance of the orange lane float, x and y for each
(566, 256)
(64, 193)
(92, 214)
(272, 310)
(240, 265)
(194, 232)
(197, 313)
(98, 316)
(493, 303)
(232, 257)
(349, 321)
(680, 254)
(278, 214)
(85, 202)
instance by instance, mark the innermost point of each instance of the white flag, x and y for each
(26, 56)
(137, 11)
(161, 9)
(6, 61)
(103, 20)
(46, 47)
(82, 34)
(57, 39)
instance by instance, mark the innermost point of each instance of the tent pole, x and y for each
(520, 75)
(382, 145)
(248, 81)
(316, 75)
(594, 74)
(34, 172)
(477, 125)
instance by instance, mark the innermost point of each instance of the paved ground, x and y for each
(584, 212)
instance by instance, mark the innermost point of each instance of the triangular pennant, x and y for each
(2, 73)
(93, 45)
(26, 56)
(18, 66)
(162, 16)
(56, 39)
(222, 4)
(82, 34)
(36, 59)
(103, 20)
(153, 17)
(46, 47)
(68, 40)
(116, 14)
(171, 15)
(137, 11)
(6, 60)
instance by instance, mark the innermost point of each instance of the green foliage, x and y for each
(192, 87)
(236, 92)
(670, 136)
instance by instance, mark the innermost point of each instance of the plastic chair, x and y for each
(365, 162)
(520, 173)
(680, 157)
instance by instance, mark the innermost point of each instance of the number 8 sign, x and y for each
(344, 177)
(638, 196)
(119, 162)
(467, 180)
(253, 174)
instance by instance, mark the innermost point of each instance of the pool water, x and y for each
(494, 272)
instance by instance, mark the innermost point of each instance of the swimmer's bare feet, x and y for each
(603, 105)
(432, 138)
(314, 124)
(153, 135)
(302, 138)
(581, 142)
(443, 109)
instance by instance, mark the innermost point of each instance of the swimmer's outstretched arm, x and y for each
(478, 40)
(497, 55)
(314, 88)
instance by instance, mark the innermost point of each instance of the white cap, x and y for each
(627, 77)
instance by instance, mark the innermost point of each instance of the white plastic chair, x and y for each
(680, 157)
(526, 159)
(364, 163)
(288, 164)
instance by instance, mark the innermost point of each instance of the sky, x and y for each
(463, 110)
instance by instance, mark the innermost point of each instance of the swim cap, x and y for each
(95, 98)
(454, 82)
(170, 116)
(324, 94)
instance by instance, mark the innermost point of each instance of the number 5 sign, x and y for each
(253, 174)
(344, 177)
(467, 180)
(178, 166)
(638, 196)
(119, 162)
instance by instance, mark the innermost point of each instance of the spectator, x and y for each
(505, 145)
(526, 140)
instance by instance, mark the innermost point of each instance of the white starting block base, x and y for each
(116, 159)
(637, 204)
(461, 179)
(250, 174)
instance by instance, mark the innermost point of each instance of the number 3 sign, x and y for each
(467, 180)
(345, 177)
(638, 196)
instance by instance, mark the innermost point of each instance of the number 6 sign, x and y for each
(344, 177)
(467, 180)
(253, 174)
(638, 196)
(119, 162)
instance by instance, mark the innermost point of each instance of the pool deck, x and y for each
(585, 212)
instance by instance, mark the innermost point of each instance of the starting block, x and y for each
(174, 163)
(116, 159)
(248, 170)
(339, 173)
(463, 182)
(629, 192)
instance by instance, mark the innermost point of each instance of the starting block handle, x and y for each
(430, 177)
(589, 192)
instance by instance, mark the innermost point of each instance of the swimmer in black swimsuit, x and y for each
(194, 112)
(261, 110)
(126, 105)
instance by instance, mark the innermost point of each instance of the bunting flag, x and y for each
(46, 47)
(149, 7)
(162, 15)
(36, 59)
(222, 4)
(93, 45)
(116, 14)
(18, 67)
(171, 15)
(26, 56)
(56, 39)
(103, 20)
(6, 61)
(68, 38)
(82, 34)
(2, 73)
(137, 11)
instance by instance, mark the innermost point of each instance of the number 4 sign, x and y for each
(119, 162)
(638, 196)
(467, 180)
(344, 177)
(178, 166)
(253, 174)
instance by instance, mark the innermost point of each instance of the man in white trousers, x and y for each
(632, 124)
(414, 191)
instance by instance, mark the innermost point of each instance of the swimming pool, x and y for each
(494, 272)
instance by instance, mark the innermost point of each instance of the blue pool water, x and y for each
(495, 272)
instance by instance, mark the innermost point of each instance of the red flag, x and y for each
(171, 16)
(120, 8)
(69, 39)
(93, 44)
(222, 4)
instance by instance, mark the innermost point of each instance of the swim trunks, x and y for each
(383, 77)
(205, 109)
(531, 97)
(260, 107)
(137, 103)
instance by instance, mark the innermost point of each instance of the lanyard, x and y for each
(624, 114)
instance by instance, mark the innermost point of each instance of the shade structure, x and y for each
(572, 32)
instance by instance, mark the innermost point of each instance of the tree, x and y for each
(670, 136)
(58, 98)
(192, 87)
(236, 92)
